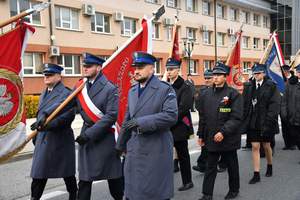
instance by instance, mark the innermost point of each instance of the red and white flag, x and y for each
(12, 114)
(235, 78)
(118, 70)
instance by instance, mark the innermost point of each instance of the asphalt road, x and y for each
(284, 185)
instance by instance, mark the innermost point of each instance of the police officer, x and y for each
(152, 110)
(184, 127)
(97, 156)
(54, 153)
(290, 107)
(286, 134)
(221, 113)
(262, 105)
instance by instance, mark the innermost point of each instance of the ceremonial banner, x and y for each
(273, 58)
(175, 47)
(12, 115)
(118, 67)
(235, 78)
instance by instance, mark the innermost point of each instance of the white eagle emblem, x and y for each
(5, 104)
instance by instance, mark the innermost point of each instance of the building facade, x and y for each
(71, 27)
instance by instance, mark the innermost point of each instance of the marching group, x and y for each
(157, 119)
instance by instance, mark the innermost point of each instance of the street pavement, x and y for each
(284, 185)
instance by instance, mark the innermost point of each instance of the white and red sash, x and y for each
(89, 107)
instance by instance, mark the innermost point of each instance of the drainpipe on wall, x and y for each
(51, 59)
(215, 30)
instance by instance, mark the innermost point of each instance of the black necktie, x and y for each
(258, 86)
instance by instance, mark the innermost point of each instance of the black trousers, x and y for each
(116, 188)
(38, 186)
(184, 160)
(202, 159)
(286, 134)
(231, 160)
(295, 133)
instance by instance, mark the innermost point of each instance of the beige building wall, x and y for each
(76, 42)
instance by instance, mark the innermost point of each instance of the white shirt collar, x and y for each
(259, 82)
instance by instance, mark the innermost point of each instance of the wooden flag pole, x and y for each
(292, 63)
(268, 49)
(34, 9)
(58, 109)
(34, 133)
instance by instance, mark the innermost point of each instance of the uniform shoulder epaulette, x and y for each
(165, 82)
(68, 88)
(135, 84)
(270, 82)
(248, 83)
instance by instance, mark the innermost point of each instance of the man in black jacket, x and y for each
(261, 110)
(184, 127)
(286, 133)
(221, 113)
(202, 159)
(290, 107)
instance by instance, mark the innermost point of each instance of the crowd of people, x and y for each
(158, 119)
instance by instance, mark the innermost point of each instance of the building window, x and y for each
(191, 33)
(152, 1)
(245, 17)
(208, 64)
(265, 43)
(193, 66)
(220, 39)
(255, 43)
(206, 8)
(100, 23)
(169, 32)
(18, 6)
(71, 63)
(233, 13)
(266, 22)
(173, 3)
(128, 26)
(206, 37)
(66, 18)
(155, 31)
(245, 42)
(191, 5)
(157, 66)
(221, 11)
(246, 67)
(232, 40)
(256, 20)
(32, 63)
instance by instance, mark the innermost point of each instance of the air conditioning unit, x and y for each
(119, 16)
(204, 28)
(88, 9)
(54, 51)
(230, 31)
(168, 22)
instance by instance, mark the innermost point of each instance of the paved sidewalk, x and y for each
(76, 125)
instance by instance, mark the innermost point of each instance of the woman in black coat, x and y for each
(184, 127)
(261, 110)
